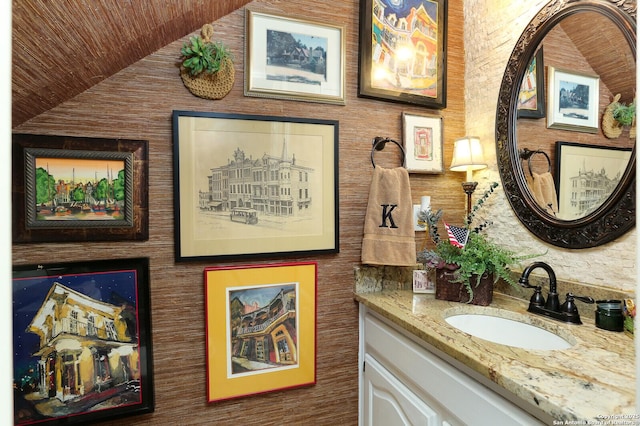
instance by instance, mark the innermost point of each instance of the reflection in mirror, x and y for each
(577, 184)
(568, 168)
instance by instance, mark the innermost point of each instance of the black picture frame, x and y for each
(121, 216)
(421, 78)
(250, 186)
(586, 176)
(81, 341)
(530, 94)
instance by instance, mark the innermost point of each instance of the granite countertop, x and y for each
(593, 379)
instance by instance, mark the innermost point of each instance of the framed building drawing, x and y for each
(261, 328)
(295, 59)
(81, 341)
(79, 189)
(586, 175)
(254, 186)
(403, 51)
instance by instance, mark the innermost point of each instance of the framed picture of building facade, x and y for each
(81, 341)
(254, 186)
(531, 97)
(573, 101)
(295, 59)
(403, 51)
(260, 327)
(586, 175)
(79, 189)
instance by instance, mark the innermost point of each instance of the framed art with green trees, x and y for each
(79, 189)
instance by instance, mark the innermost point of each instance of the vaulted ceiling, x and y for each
(63, 47)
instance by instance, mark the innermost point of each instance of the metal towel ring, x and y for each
(526, 154)
(378, 145)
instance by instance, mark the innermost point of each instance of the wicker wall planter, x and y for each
(214, 85)
(610, 126)
(210, 86)
(457, 292)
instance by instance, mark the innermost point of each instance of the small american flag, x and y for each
(457, 236)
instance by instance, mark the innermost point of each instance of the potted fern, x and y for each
(466, 270)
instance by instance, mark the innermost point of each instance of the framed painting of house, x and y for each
(79, 189)
(403, 51)
(81, 341)
(260, 327)
(294, 59)
(573, 101)
(254, 186)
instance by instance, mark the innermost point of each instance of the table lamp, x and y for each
(467, 157)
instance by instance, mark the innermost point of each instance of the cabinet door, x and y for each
(387, 402)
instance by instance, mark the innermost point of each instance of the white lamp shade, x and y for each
(467, 155)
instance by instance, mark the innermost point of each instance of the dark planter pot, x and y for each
(446, 289)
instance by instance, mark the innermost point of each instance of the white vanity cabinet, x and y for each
(402, 382)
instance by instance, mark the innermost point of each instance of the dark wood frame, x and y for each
(115, 282)
(27, 228)
(538, 71)
(367, 90)
(617, 216)
(314, 145)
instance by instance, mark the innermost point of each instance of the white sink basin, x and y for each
(508, 332)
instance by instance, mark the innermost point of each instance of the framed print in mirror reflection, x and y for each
(586, 176)
(531, 98)
(573, 102)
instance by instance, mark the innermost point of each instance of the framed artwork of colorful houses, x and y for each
(261, 328)
(403, 51)
(81, 341)
(79, 189)
(254, 186)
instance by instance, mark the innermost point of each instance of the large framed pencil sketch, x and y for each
(254, 186)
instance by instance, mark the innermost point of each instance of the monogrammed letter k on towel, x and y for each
(389, 237)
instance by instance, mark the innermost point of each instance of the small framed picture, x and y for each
(573, 101)
(424, 281)
(422, 138)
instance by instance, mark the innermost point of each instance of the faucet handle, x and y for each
(569, 305)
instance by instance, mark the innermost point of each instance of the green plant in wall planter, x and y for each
(206, 67)
(200, 56)
(618, 115)
(477, 265)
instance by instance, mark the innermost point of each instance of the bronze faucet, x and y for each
(567, 312)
